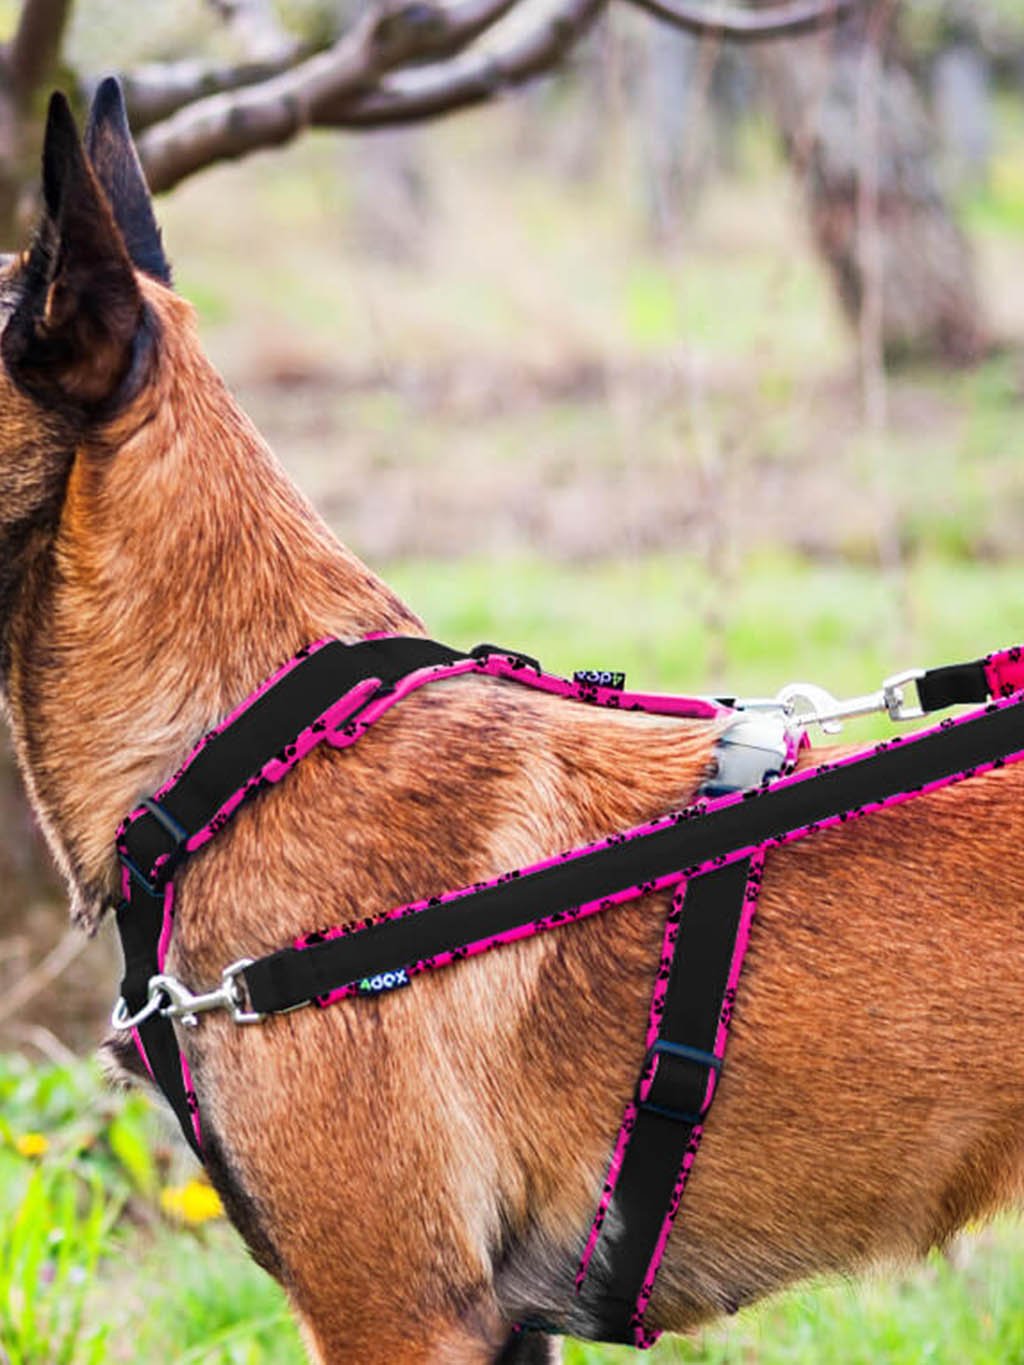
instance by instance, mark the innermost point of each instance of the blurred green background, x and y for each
(575, 372)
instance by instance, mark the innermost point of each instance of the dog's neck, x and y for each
(186, 567)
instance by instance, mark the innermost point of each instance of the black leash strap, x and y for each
(293, 976)
(953, 685)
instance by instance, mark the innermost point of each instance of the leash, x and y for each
(710, 856)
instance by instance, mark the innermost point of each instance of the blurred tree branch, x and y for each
(157, 90)
(403, 61)
(473, 78)
(34, 50)
(785, 20)
(310, 91)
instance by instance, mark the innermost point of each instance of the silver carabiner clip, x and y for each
(809, 704)
(232, 987)
(172, 999)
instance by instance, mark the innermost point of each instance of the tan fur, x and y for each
(411, 1163)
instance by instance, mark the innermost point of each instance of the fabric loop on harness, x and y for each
(956, 685)
(997, 675)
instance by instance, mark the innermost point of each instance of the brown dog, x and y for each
(420, 1170)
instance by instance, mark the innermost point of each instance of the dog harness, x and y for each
(709, 857)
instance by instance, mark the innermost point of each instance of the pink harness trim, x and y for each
(162, 950)
(341, 726)
(334, 727)
(1005, 668)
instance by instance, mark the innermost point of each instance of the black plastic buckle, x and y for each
(179, 835)
(662, 1046)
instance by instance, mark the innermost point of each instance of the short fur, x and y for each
(420, 1170)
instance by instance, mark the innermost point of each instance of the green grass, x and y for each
(935, 1315)
(197, 1299)
(49, 1252)
(89, 1275)
(842, 625)
(90, 1271)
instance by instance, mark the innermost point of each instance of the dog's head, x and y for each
(77, 337)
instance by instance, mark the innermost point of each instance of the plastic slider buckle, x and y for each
(139, 877)
(179, 834)
(662, 1047)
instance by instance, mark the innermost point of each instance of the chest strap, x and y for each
(328, 965)
(705, 940)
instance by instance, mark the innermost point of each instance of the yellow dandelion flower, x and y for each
(194, 1202)
(32, 1144)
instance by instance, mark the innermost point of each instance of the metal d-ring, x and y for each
(122, 1020)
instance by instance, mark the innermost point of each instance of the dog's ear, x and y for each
(72, 334)
(108, 142)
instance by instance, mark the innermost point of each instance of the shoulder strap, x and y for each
(305, 698)
(323, 686)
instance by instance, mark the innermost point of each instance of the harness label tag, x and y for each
(600, 677)
(384, 981)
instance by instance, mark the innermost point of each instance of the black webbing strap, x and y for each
(263, 730)
(666, 1120)
(953, 685)
(226, 763)
(140, 922)
(294, 976)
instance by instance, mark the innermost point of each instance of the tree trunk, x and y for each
(962, 93)
(930, 303)
(670, 123)
(19, 171)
